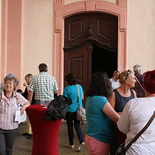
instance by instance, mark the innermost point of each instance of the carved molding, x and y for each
(90, 48)
(121, 3)
(58, 1)
(57, 30)
(122, 29)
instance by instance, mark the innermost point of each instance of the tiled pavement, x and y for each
(23, 146)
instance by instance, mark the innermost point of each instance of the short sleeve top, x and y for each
(99, 125)
(72, 93)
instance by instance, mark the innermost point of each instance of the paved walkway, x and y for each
(23, 146)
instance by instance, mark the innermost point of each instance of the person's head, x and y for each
(28, 78)
(115, 74)
(149, 81)
(99, 85)
(42, 67)
(10, 83)
(137, 68)
(127, 77)
(71, 78)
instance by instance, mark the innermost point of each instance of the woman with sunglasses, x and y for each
(118, 100)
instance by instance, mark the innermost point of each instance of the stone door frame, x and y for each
(61, 11)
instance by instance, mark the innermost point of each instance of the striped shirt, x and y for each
(8, 108)
(43, 86)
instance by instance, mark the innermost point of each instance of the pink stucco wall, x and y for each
(11, 55)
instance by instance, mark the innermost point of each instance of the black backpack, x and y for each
(57, 108)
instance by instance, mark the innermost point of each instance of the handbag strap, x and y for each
(141, 131)
(139, 83)
(78, 93)
(18, 104)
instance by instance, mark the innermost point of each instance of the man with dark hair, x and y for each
(42, 67)
(44, 86)
(140, 81)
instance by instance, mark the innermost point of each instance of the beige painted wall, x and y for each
(141, 34)
(37, 35)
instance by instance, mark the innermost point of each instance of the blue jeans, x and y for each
(70, 117)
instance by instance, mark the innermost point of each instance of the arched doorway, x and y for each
(90, 45)
(63, 10)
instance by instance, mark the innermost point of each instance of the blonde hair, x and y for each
(124, 75)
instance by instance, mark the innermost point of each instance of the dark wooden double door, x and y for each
(90, 45)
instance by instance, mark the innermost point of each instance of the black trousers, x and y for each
(7, 139)
(70, 118)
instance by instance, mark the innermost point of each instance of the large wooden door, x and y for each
(79, 62)
(81, 32)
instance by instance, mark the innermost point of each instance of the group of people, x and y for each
(106, 100)
(44, 87)
(132, 108)
(116, 109)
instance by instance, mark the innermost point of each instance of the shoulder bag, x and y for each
(81, 112)
(122, 149)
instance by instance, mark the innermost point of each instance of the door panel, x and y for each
(79, 62)
(83, 30)
(89, 27)
(75, 29)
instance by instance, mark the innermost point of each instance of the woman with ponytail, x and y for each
(119, 98)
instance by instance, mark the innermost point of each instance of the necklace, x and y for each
(7, 96)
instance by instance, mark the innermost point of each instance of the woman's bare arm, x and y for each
(110, 112)
(112, 100)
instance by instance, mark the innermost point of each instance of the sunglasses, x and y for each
(128, 72)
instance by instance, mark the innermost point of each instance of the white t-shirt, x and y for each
(135, 115)
(115, 83)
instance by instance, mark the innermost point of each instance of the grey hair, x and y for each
(29, 76)
(136, 68)
(12, 78)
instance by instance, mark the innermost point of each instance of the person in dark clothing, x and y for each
(28, 79)
(140, 81)
(118, 100)
(71, 91)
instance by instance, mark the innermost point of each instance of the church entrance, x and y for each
(90, 45)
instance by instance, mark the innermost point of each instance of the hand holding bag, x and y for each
(81, 112)
(122, 149)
